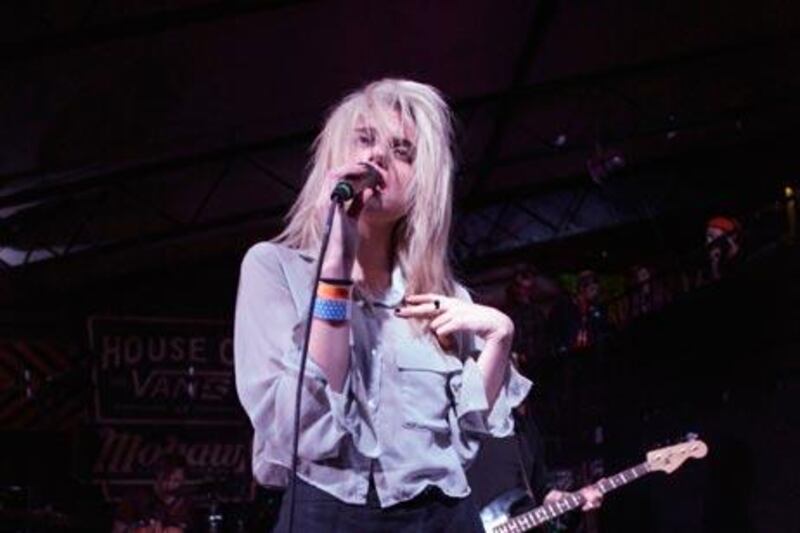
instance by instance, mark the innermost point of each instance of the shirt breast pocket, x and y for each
(426, 381)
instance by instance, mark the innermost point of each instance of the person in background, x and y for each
(511, 475)
(645, 294)
(161, 509)
(594, 326)
(723, 245)
(522, 306)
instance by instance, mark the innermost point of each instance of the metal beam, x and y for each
(542, 15)
(516, 199)
(177, 234)
(131, 27)
(136, 170)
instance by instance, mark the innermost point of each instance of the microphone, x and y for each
(351, 186)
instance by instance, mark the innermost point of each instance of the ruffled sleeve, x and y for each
(471, 404)
(267, 348)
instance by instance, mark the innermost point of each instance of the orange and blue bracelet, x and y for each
(333, 300)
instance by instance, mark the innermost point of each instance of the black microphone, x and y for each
(350, 186)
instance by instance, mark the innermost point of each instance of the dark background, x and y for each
(145, 145)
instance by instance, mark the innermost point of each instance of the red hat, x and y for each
(726, 224)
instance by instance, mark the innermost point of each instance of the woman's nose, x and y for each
(377, 156)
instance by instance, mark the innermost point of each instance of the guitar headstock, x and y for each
(670, 458)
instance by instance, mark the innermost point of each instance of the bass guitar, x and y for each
(496, 519)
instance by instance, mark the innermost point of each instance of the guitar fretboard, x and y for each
(571, 501)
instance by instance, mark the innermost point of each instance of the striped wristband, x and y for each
(333, 292)
(333, 300)
(333, 310)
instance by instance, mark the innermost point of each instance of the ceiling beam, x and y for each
(132, 27)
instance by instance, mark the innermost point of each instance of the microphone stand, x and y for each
(336, 200)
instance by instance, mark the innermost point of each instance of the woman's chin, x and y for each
(376, 213)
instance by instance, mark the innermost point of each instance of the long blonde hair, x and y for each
(421, 236)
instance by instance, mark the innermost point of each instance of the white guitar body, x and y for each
(498, 511)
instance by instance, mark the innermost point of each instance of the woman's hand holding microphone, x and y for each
(343, 244)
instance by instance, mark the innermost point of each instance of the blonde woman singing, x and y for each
(405, 373)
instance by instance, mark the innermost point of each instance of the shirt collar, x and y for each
(394, 294)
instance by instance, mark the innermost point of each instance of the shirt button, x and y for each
(374, 352)
(372, 404)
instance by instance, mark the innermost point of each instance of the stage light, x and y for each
(789, 192)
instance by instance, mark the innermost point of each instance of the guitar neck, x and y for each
(549, 511)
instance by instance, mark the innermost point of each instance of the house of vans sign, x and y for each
(163, 371)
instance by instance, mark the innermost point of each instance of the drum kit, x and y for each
(18, 516)
(231, 506)
(224, 503)
(228, 505)
(222, 507)
(216, 496)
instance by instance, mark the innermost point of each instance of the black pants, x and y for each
(316, 511)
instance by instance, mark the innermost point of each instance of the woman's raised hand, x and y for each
(343, 244)
(448, 315)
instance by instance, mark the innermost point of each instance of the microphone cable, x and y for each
(304, 357)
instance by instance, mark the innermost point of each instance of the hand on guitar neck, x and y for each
(590, 494)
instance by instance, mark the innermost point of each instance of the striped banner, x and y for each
(42, 385)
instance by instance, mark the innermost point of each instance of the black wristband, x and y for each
(337, 281)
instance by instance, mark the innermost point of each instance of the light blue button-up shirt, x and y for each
(409, 415)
